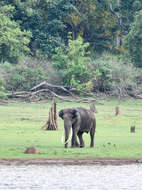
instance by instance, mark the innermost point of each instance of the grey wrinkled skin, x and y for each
(80, 120)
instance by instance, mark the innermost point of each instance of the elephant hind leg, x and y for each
(92, 134)
(79, 134)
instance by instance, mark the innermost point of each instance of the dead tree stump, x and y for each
(132, 129)
(51, 124)
(93, 108)
(117, 111)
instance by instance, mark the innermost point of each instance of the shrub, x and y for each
(115, 75)
(102, 73)
(2, 89)
(28, 73)
(72, 63)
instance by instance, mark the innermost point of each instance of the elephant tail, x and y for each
(63, 137)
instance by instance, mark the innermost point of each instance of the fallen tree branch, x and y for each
(49, 91)
(84, 100)
(52, 87)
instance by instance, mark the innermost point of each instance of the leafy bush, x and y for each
(2, 89)
(28, 73)
(124, 77)
(115, 75)
(72, 63)
(102, 73)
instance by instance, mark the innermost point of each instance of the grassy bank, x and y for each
(20, 127)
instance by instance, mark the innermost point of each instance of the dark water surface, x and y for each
(93, 177)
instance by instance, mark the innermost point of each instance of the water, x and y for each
(52, 177)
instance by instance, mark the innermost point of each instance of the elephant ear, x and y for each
(74, 111)
(61, 113)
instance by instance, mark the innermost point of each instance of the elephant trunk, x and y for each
(68, 132)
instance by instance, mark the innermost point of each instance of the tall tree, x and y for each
(133, 40)
(13, 41)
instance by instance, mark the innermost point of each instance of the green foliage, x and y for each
(133, 41)
(23, 76)
(102, 73)
(2, 89)
(137, 5)
(43, 19)
(40, 28)
(116, 75)
(125, 78)
(28, 73)
(50, 21)
(73, 63)
(128, 11)
(13, 41)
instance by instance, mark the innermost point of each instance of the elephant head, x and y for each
(80, 120)
(68, 115)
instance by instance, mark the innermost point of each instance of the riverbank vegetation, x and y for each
(21, 123)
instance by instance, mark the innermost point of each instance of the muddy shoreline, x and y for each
(72, 161)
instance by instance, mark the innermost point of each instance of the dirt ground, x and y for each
(74, 161)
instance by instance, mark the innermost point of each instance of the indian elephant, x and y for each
(80, 120)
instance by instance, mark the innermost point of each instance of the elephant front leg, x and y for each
(74, 143)
(79, 134)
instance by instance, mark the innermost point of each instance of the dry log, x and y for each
(138, 96)
(21, 94)
(77, 90)
(52, 87)
(85, 100)
(50, 91)
(51, 124)
(34, 96)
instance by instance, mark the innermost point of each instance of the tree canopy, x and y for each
(40, 29)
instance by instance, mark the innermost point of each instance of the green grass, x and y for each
(20, 127)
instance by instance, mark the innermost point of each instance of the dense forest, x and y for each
(89, 45)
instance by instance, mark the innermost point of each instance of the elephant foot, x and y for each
(75, 146)
(82, 146)
(91, 146)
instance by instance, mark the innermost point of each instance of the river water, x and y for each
(71, 177)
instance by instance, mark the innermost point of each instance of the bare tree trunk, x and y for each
(51, 124)
(117, 41)
(132, 129)
(118, 2)
(117, 111)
